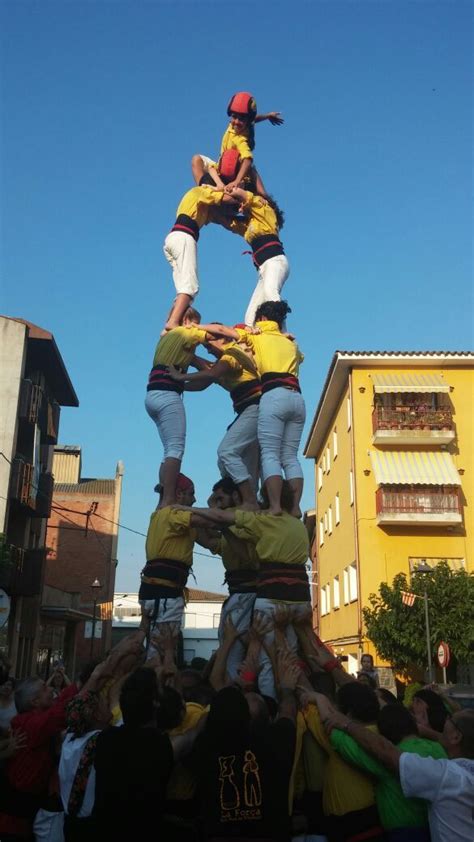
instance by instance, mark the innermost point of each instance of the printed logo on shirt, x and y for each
(240, 804)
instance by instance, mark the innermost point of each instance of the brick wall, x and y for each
(78, 555)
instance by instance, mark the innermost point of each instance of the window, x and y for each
(352, 582)
(320, 477)
(325, 521)
(351, 487)
(324, 462)
(334, 443)
(328, 459)
(337, 508)
(336, 592)
(346, 585)
(330, 520)
(321, 532)
(325, 600)
(349, 414)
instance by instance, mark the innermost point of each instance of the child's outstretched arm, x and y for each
(274, 117)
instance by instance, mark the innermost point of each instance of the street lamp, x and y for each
(95, 587)
(423, 567)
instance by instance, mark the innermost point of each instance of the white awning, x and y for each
(412, 382)
(414, 468)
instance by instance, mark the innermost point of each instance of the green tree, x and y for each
(398, 631)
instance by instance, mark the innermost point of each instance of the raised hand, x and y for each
(275, 118)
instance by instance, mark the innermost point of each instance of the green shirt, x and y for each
(395, 811)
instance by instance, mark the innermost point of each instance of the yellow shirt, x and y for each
(272, 350)
(182, 783)
(178, 345)
(232, 140)
(261, 219)
(345, 788)
(280, 538)
(170, 535)
(236, 552)
(236, 375)
(197, 203)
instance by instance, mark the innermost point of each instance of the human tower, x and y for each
(264, 547)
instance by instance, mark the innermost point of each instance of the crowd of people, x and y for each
(137, 748)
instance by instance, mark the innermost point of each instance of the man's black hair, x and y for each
(359, 701)
(396, 723)
(273, 311)
(227, 485)
(171, 709)
(139, 698)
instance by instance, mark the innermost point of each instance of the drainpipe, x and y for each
(356, 524)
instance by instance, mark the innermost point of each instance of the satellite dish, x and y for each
(4, 608)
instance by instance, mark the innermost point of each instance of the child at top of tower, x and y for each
(236, 156)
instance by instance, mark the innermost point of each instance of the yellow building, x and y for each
(392, 442)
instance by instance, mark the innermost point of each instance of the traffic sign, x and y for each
(444, 655)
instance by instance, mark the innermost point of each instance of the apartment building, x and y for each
(392, 445)
(34, 385)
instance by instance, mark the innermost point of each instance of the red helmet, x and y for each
(243, 103)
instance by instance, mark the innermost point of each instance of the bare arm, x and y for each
(218, 676)
(219, 516)
(220, 330)
(373, 743)
(274, 117)
(203, 378)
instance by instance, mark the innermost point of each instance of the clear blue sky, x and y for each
(103, 105)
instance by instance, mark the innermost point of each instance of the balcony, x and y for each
(36, 408)
(21, 570)
(412, 425)
(433, 505)
(44, 495)
(21, 482)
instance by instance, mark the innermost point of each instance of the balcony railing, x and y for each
(21, 482)
(423, 505)
(412, 418)
(36, 408)
(44, 495)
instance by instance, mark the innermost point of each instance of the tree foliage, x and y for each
(398, 631)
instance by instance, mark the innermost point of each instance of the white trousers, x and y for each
(167, 411)
(162, 610)
(237, 454)
(271, 276)
(181, 252)
(266, 679)
(239, 606)
(281, 417)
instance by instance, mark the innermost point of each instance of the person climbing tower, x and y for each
(236, 156)
(238, 451)
(164, 402)
(260, 227)
(281, 413)
(180, 246)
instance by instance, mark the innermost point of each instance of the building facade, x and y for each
(82, 540)
(34, 385)
(392, 446)
(200, 627)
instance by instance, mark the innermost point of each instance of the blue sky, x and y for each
(104, 104)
